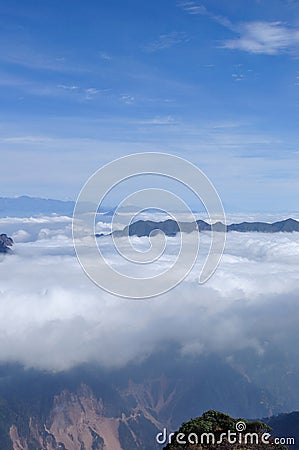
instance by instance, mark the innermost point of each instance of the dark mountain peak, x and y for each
(287, 225)
(286, 424)
(5, 243)
(288, 220)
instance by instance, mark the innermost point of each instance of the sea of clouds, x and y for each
(53, 317)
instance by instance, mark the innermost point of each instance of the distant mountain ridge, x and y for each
(171, 227)
(25, 206)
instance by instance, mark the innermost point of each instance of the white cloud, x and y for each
(160, 120)
(91, 92)
(27, 140)
(260, 37)
(269, 38)
(127, 99)
(68, 87)
(53, 317)
(105, 56)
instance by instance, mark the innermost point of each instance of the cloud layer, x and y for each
(53, 317)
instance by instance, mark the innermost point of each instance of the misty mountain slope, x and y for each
(70, 419)
(89, 407)
(285, 425)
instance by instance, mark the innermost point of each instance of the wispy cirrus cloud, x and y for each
(193, 7)
(91, 92)
(167, 40)
(31, 58)
(87, 93)
(160, 120)
(68, 87)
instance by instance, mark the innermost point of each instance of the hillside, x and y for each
(216, 430)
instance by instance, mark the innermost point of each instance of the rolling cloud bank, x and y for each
(53, 317)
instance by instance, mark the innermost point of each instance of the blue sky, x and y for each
(214, 81)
